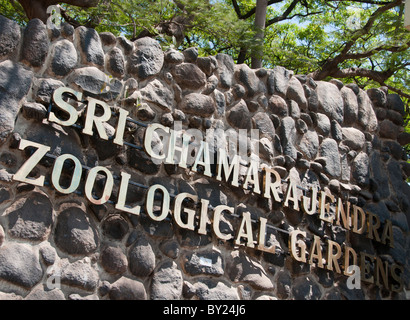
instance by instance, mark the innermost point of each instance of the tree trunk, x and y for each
(260, 20)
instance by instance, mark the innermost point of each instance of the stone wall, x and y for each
(54, 246)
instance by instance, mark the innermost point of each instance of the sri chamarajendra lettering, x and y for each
(193, 213)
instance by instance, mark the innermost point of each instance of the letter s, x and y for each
(59, 101)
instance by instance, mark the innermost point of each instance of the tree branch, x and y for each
(331, 65)
(284, 15)
(251, 12)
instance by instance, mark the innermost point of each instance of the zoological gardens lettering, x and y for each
(191, 212)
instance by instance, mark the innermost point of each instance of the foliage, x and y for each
(361, 41)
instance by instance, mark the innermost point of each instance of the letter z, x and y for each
(24, 171)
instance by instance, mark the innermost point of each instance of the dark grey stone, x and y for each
(19, 264)
(278, 81)
(198, 104)
(312, 98)
(115, 227)
(305, 288)
(108, 39)
(95, 83)
(15, 82)
(188, 75)
(30, 218)
(147, 59)
(35, 111)
(171, 249)
(145, 113)
(79, 274)
(9, 36)
(35, 43)
(116, 63)
(90, 45)
(206, 262)
(329, 149)
(287, 134)
(248, 78)
(353, 138)
(377, 97)
(167, 282)
(113, 260)
(241, 268)
(295, 92)
(127, 289)
(284, 285)
(126, 45)
(239, 116)
(395, 103)
(366, 115)
(361, 169)
(226, 68)
(351, 107)
(64, 58)
(278, 106)
(388, 129)
(207, 64)
(330, 101)
(336, 130)
(159, 93)
(75, 233)
(264, 124)
(174, 56)
(309, 144)
(141, 257)
(44, 88)
(191, 54)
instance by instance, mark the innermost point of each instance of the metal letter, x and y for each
(203, 220)
(57, 169)
(262, 237)
(246, 225)
(59, 102)
(190, 212)
(150, 202)
(291, 194)
(203, 150)
(372, 227)
(325, 207)
(224, 163)
(294, 244)
(148, 139)
(217, 217)
(25, 169)
(271, 187)
(122, 121)
(340, 212)
(349, 252)
(332, 257)
(388, 233)
(356, 229)
(89, 183)
(172, 147)
(316, 252)
(92, 119)
(313, 202)
(122, 194)
(253, 172)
